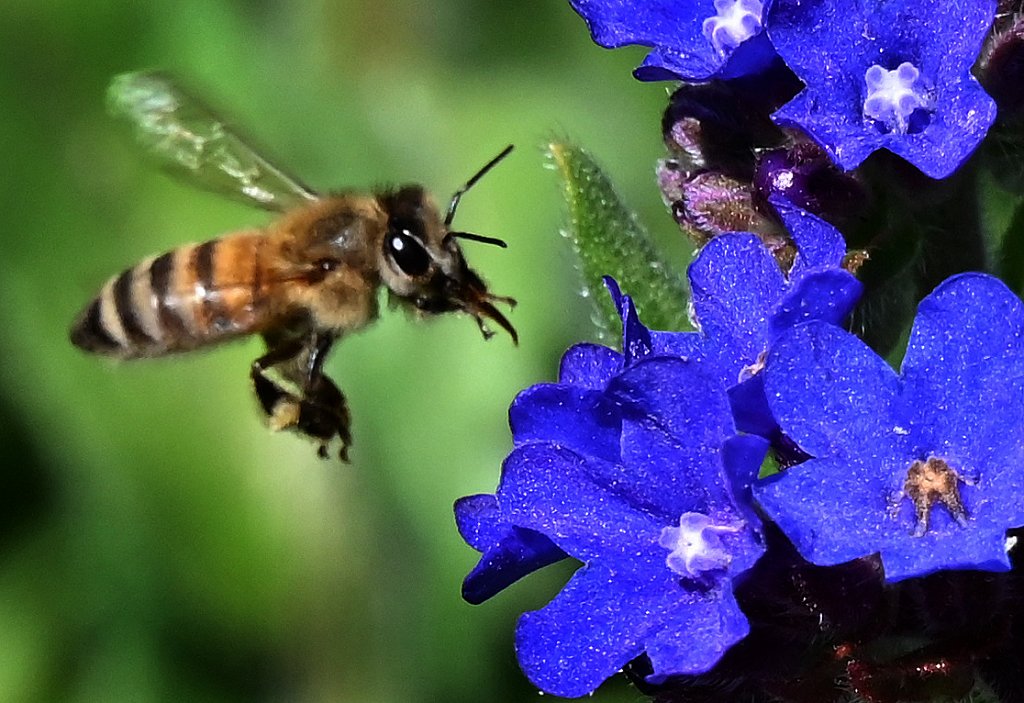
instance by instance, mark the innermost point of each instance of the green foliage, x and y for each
(157, 542)
(1011, 255)
(610, 241)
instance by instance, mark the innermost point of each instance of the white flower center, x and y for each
(893, 96)
(735, 21)
(696, 545)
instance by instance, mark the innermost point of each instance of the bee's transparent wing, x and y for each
(190, 140)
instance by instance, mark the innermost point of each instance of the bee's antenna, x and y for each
(470, 183)
(478, 238)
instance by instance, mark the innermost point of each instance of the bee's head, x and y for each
(421, 261)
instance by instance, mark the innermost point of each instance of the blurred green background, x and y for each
(156, 541)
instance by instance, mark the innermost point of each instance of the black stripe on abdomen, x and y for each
(203, 256)
(161, 275)
(124, 303)
(214, 317)
(89, 333)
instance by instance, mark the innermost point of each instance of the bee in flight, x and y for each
(301, 283)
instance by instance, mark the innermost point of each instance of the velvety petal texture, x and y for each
(508, 552)
(580, 419)
(735, 283)
(683, 45)
(743, 301)
(627, 600)
(831, 45)
(925, 468)
(631, 464)
(819, 245)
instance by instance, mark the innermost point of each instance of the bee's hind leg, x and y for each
(324, 412)
(281, 406)
(318, 410)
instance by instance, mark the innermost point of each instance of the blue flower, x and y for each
(659, 529)
(567, 413)
(925, 468)
(887, 74)
(692, 41)
(630, 464)
(743, 301)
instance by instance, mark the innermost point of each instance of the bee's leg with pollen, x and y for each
(281, 406)
(318, 410)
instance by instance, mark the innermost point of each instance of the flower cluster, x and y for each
(594, 476)
(881, 74)
(763, 508)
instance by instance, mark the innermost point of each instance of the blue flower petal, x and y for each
(742, 456)
(675, 417)
(821, 505)
(680, 398)
(615, 23)
(752, 57)
(584, 505)
(636, 338)
(665, 64)
(819, 244)
(508, 553)
(966, 324)
(834, 510)
(926, 470)
(964, 360)
(582, 420)
(742, 301)
(734, 283)
(966, 321)
(750, 407)
(615, 467)
(826, 295)
(675, 30)
(830, 45)
(479, 521)
(594, 627)
(946, 545)
(589, 366)
(688, 346)
(954, 133)
(832, 394)
(693, 639)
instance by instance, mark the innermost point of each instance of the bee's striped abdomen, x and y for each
(180, 300)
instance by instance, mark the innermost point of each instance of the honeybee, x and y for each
(302, 282)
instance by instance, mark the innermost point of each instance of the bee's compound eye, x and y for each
(408, 253)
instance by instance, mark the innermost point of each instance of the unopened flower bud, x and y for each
(716, 126)
(708, 204)
(716, 203)
(804, 175)
(1001, 67)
